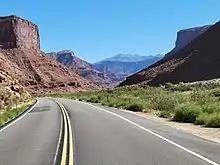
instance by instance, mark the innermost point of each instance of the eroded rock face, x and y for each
(39, 73)
(16, 32)
(22, 63)
(185, 36)
(85, 69)
(198, 61)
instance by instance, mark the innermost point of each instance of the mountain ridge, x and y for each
(85, 69)
(127, 58)
(195, 62)
(125, 68)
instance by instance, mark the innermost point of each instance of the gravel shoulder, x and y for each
(212, 134)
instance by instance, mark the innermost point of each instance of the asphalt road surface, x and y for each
(33, 139)
(102, 136)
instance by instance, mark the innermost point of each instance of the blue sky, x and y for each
(98, 29)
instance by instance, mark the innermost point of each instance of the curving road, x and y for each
(102, 136)
(33, 139)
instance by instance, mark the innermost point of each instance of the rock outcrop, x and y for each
(40, 73)
(185, 36)
(199, 60)
(85, 69)
(68, 58)
(16, 32)
(21, 60)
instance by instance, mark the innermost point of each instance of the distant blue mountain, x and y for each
(128, 58)
(124, 65)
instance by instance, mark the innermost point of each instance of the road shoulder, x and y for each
(212, 134)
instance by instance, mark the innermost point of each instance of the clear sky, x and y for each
(96, 29)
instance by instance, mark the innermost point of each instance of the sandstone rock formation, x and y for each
(199, 60)
(16, 32)
(22, 63)
(85, 69)
(185, 36)
(40, 73)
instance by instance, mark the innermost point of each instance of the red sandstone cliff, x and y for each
(199, 60)
(16, 32)
(21, 60)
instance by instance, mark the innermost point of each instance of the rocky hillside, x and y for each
(125, 65)
(11, 91)
(185, 36)
(40, 73)
(199, 60)
(68, 58)
(85, 69)
(22, 60)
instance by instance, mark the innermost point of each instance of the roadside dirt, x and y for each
(212, 134)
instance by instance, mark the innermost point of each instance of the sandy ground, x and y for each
(203, 132)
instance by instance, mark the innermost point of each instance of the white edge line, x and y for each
(16, 120)
(157, 135)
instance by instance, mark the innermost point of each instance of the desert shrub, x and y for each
(202, 97)
(164, 102)
(112, 104)
(201, 118)
(216, 92)
(93, 99)
(165, 114)
(213, 120)
(211, 107)
(184, 102)
(187, 112)
(120, 102)
(135, 107)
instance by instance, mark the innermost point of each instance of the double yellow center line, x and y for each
(67, 147)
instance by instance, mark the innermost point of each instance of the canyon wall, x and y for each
(185, 36)
(16, 32)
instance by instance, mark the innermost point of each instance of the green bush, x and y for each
(209, 120)
(187, 112)
(213, 120)
(93, 99)
(165, 114)
(203, 97)
(216, 92)
(201, 119)
(211, 107)
(164, 102)
(135, 107)
(10, 114)
(184, 102)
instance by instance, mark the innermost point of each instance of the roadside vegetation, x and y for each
(197, 103)
(13, 104)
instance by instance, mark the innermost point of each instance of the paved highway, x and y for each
(33, 139)
(102, 136)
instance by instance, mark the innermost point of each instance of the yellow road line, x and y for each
(67, 124)
(64, 150)
(71, 160)
(59, 140)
